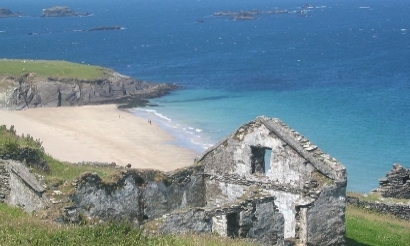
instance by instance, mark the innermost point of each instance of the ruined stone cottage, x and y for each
(396, 184)
(264, 182)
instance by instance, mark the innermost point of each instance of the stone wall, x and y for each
(399, 210)
(258, 220)
(138, 195)
(308, 185)
(4, 182)
(396, 184)
(19, 187)
(325, 217)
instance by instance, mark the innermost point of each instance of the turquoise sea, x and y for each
(339, 73)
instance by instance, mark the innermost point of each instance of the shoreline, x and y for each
(101, 133)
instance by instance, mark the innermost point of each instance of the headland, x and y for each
(42, 98)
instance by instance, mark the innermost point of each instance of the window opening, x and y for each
(268, 153)
(260, 160)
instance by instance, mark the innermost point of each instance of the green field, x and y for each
(370, 228)
(56, 69)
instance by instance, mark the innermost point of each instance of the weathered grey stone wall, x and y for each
(19, 187)
(4, 182)
(306, 182)
(258, 220)
(234, 155)
(231, 176)
(139, 195)
(396, 184)
(399, 210)
(325, 218)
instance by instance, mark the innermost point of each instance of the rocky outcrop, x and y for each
(105, 28)
(30, 91)
(5, 13)
(61, 11)
(249, 14)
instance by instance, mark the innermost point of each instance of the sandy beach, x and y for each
(100, 134)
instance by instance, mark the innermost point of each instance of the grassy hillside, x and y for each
(60, 69)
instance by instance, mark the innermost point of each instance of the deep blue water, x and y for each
(339, 74)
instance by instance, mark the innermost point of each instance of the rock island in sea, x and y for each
(62, 11)
(5, 13)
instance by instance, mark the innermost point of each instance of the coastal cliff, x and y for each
(32, 89)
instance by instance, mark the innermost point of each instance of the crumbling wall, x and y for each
(139, 196)
(257, 219)
(396, 184)
(302, 179)
(399, 210)
(19, 187)
(326, 216)
(4, 181)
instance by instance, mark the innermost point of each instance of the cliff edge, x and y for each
(32, 89)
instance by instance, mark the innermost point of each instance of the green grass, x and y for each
(66, 171)
(370, 228)
(43, 68)
(19, 228)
